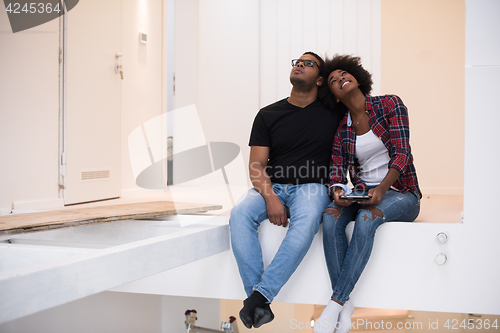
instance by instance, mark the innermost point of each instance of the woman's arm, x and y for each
(337, 171)
(399, 132)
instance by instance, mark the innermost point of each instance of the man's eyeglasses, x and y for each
(306, 62)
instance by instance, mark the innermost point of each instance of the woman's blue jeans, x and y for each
(304, 204)
(345, 261)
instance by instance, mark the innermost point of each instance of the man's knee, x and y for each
(233, 215)
(238, 214)
(334, 211)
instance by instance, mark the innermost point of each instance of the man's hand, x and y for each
(340, 202)
(276, 211)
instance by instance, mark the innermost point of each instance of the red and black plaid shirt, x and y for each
(389, 121)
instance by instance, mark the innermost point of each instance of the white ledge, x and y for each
(51, 268)
(402, 273)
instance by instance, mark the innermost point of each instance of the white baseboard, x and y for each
(442, 190)
(38, 204)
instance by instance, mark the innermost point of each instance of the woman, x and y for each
(372, 143)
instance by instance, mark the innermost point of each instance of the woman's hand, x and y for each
(376, 194)
(340, 202)
(276, 211)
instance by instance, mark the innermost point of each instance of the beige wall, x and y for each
(423, 58)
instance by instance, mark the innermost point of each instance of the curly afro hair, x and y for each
(350, 64)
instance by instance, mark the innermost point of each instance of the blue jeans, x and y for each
(304, 204)
(345, 261)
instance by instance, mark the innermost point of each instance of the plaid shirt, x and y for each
(389, 122)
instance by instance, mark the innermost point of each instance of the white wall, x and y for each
(142, 87)
(228, 76)
(233, 57)
(290, 28)
(186, 53)
(29, 102)
(29, 114)
(105, 312)
(111, 312)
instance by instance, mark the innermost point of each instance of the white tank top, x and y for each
(373, 158)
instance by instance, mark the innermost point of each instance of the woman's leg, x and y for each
(395, 206)
(335, 221)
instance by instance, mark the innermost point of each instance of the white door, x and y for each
(92, 105)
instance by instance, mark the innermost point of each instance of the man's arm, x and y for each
(262, 183)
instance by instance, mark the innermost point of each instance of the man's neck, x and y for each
(302, 98)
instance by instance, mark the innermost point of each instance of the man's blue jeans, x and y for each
(345, 261)
(304, 204)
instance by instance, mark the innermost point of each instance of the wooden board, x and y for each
(40, 221)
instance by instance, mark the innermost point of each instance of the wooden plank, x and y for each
(71, 217)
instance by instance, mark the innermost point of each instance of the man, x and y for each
(290, 153)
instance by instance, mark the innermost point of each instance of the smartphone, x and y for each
(355, 197)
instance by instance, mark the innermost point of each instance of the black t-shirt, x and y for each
(299, 139)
